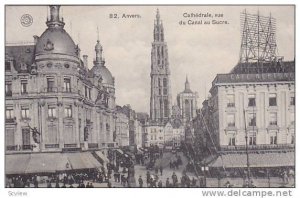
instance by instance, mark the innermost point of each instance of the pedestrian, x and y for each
(91, 185)
(156, 170)
(109, 184)
(160, 184)
(57, 184)
(49, 184)
(168, 183)
(174, 178)
(141, 182)
(161, 170)
(148, 178)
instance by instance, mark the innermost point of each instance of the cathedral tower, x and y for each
(160, 101)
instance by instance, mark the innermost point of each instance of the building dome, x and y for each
(102, 71)
(56, 40)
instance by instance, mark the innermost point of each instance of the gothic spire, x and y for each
(158, 28)
(187, 85)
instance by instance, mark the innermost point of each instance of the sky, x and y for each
(197, 51)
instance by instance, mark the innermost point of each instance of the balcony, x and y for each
(92, 145)
(12, 148)
(51, 146)
(258, 147)
(231, 104)
(27, 147)
(273, 123)
(232, 124)
(70, 145)
(10, 120)
(8, 93)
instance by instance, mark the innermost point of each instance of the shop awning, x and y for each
(16, 163)
(102, 156)
(49, 162)
(46, 163)
(236, 160)
(84, 160)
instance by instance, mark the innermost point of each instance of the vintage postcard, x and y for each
(149, 96)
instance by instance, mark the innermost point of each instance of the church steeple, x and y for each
(161, 97)
(55, 20)
(187, 85)
(158, 28)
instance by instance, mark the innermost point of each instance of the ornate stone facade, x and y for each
(50, 88)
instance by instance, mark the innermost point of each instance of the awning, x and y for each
(119, 151)
(236, 160)
(46, 163)
(16, 163)
(84, 160)
(102, 156)
(49, 162)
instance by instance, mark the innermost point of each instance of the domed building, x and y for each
(56, 104)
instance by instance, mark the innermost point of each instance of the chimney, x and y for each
(85, 61)
(35, 39)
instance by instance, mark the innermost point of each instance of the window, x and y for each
(9, 113)
(230, 120)
(273, 139)
(166, 109)
(90, 90)
(230, 100)
(107, 127)
(251, 101)
(252, 140)
(165, 83)
(25, 112)
(50, 85)
(7, 66)
(165, 91)
(159, 84)
(67, 84)
(8, 89)
(51, 112)
(231, 140)
(273, 100)
(85, 91)
(273, 118)
(26, 136)
(292, 102)
(23, 87)
(68, 111)
(159, 91)
(252, 119)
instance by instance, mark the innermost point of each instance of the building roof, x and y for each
(21, 54)
(56, 41)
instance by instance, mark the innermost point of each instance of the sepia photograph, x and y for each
(149, 96)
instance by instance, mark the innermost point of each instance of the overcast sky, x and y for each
(199, 51)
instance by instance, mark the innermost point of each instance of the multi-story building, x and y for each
(122, 129)
(259, 104)
(53, 102)
(249, 112)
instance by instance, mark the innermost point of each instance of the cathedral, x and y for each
(167, 121)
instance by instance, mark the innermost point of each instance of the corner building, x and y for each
(49, 88)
